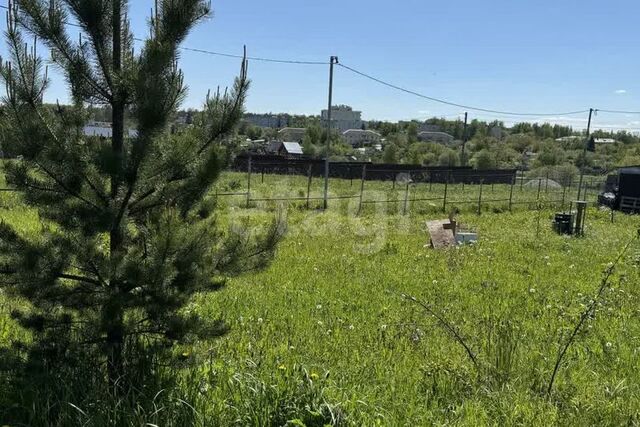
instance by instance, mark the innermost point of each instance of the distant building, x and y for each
(275, 121)
(342, 118)
(292, 134)
(569, 138)
(441, 137)
(272, 147)
(104, 130)
(290, 149)
(359, 137)
(605, 141)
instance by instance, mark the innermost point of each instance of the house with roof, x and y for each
(292, 134)
(441, 137)
(360, 138)
(289, 149)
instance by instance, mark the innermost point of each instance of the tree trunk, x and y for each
(113, 321)
(117, 104)
(113, 312)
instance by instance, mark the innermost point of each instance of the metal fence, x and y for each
(441, 187)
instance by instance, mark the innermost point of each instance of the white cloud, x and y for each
(620, 91)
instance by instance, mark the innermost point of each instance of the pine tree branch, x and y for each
(97, 38)
(33, 102)
(65, 188)
(37, 24)
(51, 175)
(77, 278)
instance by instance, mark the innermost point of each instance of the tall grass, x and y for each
(322, 338)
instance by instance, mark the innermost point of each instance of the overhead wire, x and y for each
(227, 55)
(600, 110)
(454, 104)
(383, 82)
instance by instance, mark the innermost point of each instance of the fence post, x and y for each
(309, 178)
(521, 180)
(513, 183)
(546, 184)
(480, 199)
(430, 181)
(564, 195)
(444, 203)
(394, 182)
(539, 186)
(364, 175)
(406, 197)
(586, 189)
(262, 178)
(249, 182)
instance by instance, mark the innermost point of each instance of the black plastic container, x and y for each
(563, 223)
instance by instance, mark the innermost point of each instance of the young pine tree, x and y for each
(127, 231)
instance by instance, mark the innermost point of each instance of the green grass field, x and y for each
(283, 191)
(326, 335)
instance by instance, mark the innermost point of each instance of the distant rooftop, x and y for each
(360, 131)
(433, 133)
(292, 147)
(105, 131)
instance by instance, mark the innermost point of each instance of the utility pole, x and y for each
(464, 141)
(584, 152)
(332, 61)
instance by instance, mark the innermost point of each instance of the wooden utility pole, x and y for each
(584, 153)
(463, 161)
(332, 61)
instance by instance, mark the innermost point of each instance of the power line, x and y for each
(256, 58)
(466, 107)
(227, 55)
(251, 58)
(618, 111)
(370, 77)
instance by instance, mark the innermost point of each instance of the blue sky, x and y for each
(516, 55)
